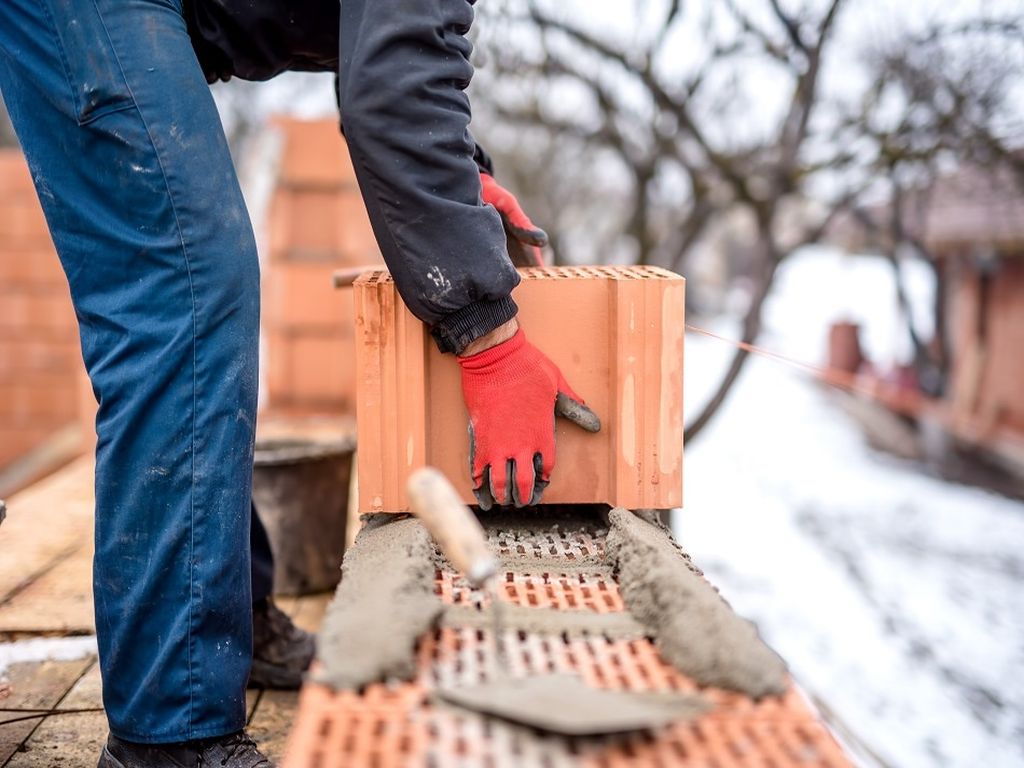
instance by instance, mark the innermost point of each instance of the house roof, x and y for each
(973, 208)
(970, 210)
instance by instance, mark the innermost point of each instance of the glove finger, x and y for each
(523, 480)
(480, 474)
(525, 231)
(523, 254)
(501, 485)
(515, 219)
(483, 491)
(577, 412)
(540, 482)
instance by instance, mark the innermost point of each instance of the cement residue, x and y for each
(384, 603)
(552, 565)
(617, 625)
(693, 627)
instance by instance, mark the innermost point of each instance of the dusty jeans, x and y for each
(133, 171)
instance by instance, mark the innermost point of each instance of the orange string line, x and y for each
(827, 375)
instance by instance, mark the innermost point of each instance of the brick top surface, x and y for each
(376, 276)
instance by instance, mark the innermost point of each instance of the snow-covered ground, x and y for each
(896, 598)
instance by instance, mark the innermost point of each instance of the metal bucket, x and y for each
(301, 489)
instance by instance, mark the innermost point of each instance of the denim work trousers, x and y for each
(133, 171)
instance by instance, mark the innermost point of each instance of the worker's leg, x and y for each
(262, 559)
(134, 174)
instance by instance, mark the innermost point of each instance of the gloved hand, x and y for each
(524, 238)
(513, 392)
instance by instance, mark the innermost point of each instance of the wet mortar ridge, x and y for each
(693, 627)
(385, 602)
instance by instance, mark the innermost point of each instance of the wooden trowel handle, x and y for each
(452, 524)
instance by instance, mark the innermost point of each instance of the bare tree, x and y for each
(675, 140)
(640, 140)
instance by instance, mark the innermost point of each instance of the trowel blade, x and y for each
(566, 705)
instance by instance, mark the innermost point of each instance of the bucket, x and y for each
(300, 488)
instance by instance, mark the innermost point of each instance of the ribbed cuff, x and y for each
(458, 330)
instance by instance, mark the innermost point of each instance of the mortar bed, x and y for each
(561, 568)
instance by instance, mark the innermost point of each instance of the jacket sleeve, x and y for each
(403, 73)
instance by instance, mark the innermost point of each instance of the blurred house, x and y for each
(971, 225)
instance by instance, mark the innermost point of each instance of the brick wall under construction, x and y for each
(317, 223)
(40, 361)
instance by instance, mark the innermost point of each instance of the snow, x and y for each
(895, 597)
(45, 649)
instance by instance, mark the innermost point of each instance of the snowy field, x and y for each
(895, 597)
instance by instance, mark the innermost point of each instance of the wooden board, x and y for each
(273, 720)
(59, 600)
(73, 740)
(45, 524)
(37, 685)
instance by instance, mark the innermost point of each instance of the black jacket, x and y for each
(402, 66)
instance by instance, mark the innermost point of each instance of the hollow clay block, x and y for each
(384, 603)
(615, 332)
(693, 627)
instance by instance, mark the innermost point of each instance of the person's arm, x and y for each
(404, 67)
(403, 70)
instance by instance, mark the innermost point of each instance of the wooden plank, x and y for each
(64, 741)
(273, 721)
(308, 612)
(45, 523)
(61, 448)
(36, 685)
(60, 600)
(252, 698)
(287, 604)
(69, 741)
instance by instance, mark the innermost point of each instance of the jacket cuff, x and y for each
(458, 330)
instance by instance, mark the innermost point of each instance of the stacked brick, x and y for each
(317, 224)
(40, 362)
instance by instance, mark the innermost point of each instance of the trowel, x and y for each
(558, 703)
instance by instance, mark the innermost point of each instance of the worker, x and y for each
(112, 109)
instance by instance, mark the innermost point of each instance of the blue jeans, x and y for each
(133, 171)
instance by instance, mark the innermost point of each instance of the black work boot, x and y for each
(234, 751)
(281, 652)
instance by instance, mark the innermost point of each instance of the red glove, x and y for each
(524, 238)
(513, 392)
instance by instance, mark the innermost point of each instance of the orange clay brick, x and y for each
(397, 725)
(616, 333)
(300, 296)
(314, 152)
